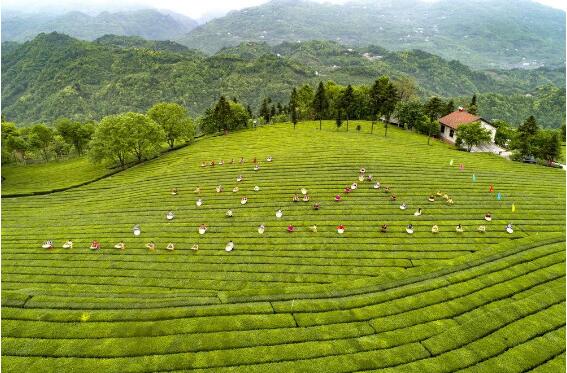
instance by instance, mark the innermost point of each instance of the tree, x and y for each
(377, 98)
(338, 119)
(504, 133)
(392, 99)
(473, 134)
(346, 102)
(111, 141)
(146, 136)
(548, 145)
(410, 114)
(449, 108)
(406, 88)
(473, 108)
(221, 114)
(320, 103)
(305, 97)
(526, 133)
(75, 133)
(265, 110)
(117, 136)
(433, 109)
(293, 106)
(59, 146)
(41, 138)
(383, 100)
(238, 116)
(14, 143)
(174, 120)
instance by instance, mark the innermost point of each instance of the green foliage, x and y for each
(435, 108)
(347, 101)
(547, 145)
(293, 106)
(75, 133)
(146, 136)
(14, 143)
(504, 133)
(525, 136)
(449, 108)
(55, 76)
(546, 104)
(224, 116)
(411, 114)
(472, 134)
(41, 138)
(320, 103)
(174, 120)
(305, 96)
(473, 107)
(119, 136)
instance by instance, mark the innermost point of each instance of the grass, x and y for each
(302, 301)
(44, 177)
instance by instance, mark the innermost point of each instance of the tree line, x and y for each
(133, 137)
(116, 139)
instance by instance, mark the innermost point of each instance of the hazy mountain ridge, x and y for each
(483, 33)
(146, 23)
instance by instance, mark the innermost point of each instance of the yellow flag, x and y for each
(513, 207)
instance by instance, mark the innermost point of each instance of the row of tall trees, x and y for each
(383, 99)
(41, 141)
(116, 139)
(224, 116)
(122, 137)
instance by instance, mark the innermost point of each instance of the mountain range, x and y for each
(479, 33)
(145, 23)
(55, 75)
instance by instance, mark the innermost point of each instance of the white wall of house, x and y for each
(490, 129)
(450, 135)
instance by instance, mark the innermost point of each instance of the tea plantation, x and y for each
(298, 301)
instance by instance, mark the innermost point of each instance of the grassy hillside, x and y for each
(43, 177)
(57, 76)
(481, 33)
(301, 301)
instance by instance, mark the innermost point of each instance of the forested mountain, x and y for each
(55, 75)
(147, 23)
(480, 33)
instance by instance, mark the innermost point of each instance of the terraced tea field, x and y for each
(296, 301)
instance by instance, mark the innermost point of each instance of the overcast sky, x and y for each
(192, 8)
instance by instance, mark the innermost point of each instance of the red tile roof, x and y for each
(457, 118)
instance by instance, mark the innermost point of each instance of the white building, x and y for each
(451, 122)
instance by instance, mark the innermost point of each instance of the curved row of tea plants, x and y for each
(300, 301)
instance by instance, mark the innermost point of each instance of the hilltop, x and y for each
(55, 75)
(302, 301)
(479, 33)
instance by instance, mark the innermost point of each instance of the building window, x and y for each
(442, 129)
(451, 133)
